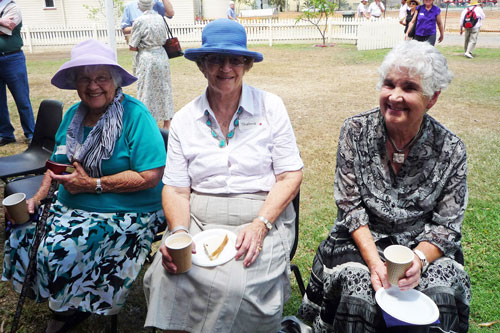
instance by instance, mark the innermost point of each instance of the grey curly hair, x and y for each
(145, 4)
(419, 59)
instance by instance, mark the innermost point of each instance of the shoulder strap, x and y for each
(169, 32)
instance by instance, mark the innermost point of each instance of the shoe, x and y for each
(64, 321)
(28, 141)
(292, 324)
(6, 141)
(468, 55)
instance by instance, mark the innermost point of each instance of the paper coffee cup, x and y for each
(398, 259)
(16, 206)
(179, 248)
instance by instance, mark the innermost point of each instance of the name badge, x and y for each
(250, 123)
(61, 150)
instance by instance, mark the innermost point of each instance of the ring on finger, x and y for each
(259, 248)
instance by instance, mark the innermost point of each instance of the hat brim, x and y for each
(59, 79)
(192, 54)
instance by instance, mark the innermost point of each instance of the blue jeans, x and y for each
(13, 74)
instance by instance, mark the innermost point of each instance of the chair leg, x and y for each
(298, 277)
(114, 323)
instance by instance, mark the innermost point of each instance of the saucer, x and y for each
(412, 306)
(200, 258)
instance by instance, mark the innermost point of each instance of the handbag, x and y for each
(172, 45)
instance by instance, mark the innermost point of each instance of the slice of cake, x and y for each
(214, 245)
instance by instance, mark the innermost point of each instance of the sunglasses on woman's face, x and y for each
(220, 60)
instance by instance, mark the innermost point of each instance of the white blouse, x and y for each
(262, 147)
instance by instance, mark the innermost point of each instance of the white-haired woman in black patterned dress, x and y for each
(401, 178)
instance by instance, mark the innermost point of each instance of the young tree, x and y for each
(97, 13)
(316, 11)
(280, 4)
(249, 3)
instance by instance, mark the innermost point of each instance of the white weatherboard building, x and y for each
(40, 13)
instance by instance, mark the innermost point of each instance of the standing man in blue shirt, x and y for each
(132, 11)
(230, 13)
(13, 74)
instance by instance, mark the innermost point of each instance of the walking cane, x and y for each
(39, 234)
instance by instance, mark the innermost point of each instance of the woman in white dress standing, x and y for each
(154, 87)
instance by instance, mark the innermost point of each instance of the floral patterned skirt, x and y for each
(340, 297)
(87, 261)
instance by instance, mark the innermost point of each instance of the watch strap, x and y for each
(179, 227)
(266, 222)
(423, 259)
(98, 186)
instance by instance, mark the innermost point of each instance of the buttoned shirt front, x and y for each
(231, 13)
(426, 20)
(402, 11)
(262, 147)
(374, 9)
(361, 10)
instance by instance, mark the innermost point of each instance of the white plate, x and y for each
(200, 258)
(412, 306)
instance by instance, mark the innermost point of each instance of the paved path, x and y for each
(485, 39)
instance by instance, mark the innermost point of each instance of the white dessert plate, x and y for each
(412, 306)
(200, 258)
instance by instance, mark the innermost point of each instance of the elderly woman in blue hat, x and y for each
(233, 164)
(101, 227)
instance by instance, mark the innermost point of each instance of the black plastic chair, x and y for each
(32, 160)
(295, 268)
(163, 227)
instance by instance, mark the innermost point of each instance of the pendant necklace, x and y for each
(222, 140)
(398, 156)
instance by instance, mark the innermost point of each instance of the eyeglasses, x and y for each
(220, 60)
(100, 80)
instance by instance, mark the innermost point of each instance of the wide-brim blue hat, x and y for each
(88, 53)
(223, 36)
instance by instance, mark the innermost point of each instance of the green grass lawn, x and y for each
(321, 87)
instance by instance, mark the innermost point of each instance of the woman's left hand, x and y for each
(412, 275)
(76, 182)
(249, 242)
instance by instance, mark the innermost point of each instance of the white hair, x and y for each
(418, 59)
(145, 4)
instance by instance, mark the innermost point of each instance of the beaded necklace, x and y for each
(222, 140)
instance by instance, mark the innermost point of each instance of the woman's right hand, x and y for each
(378, 276)
(166, 259)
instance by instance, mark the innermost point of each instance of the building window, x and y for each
(49, 4)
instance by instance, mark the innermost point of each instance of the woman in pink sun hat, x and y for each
(101, 226)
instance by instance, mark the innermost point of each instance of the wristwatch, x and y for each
(268, 223)
(98, 187)
(422, 258)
